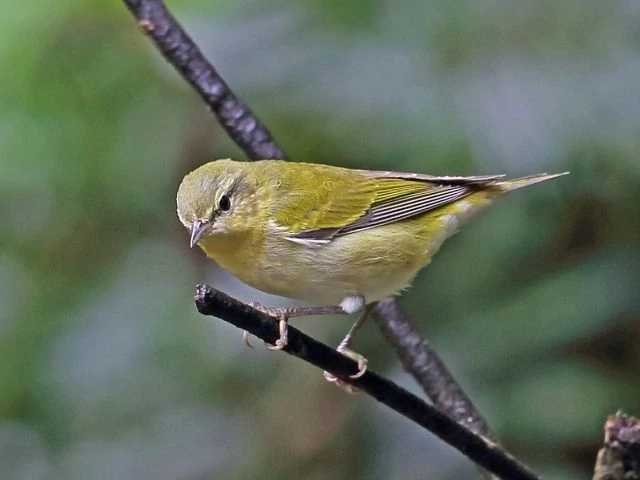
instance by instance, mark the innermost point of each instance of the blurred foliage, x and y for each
(108, 372)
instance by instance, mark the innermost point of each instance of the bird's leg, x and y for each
(344, 349)
(281, 342)
(283, 314)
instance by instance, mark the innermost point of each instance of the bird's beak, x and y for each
(198, 230)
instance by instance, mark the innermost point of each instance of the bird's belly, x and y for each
(329, 280)
(373, 263)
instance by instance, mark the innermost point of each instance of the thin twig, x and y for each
(482, 451)
(182, 52)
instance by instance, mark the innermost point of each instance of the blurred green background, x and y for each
(107, 371)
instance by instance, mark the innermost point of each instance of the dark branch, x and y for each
(482, 451)
(422, 361)
(182, 52)
(426, 366)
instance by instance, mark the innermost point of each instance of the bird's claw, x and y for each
(362, 368)
(347, 387)
(280, 314)
(281, 342)
(245, 339)
(363, 363)
(278, 345)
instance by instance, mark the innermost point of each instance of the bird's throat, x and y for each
(236, 253)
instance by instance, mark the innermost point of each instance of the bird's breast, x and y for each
(374, 263)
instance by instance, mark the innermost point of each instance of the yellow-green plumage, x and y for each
(321, 233)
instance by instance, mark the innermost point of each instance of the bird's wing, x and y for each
(406, 206)
(396, 198)
(330, 200)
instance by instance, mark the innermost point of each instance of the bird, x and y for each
(341, 239)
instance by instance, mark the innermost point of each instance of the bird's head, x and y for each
(217, 198)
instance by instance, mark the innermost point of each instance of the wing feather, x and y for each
(342, 205)
(396, 200)
(401, 208)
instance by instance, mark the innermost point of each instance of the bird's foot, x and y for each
(281, 314)
(344, 349)
(363, 364)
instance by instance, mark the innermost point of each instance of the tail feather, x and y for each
(509, 185)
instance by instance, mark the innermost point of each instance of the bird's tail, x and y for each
(509, 185)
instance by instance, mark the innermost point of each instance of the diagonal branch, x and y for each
(482, 451)
(181, 51)
(426, 366)
(418, 358)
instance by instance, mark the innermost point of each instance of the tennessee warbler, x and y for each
(332, 236)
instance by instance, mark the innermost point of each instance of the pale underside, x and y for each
(374, 263)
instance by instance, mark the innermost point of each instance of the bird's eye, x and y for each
(225, 203)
